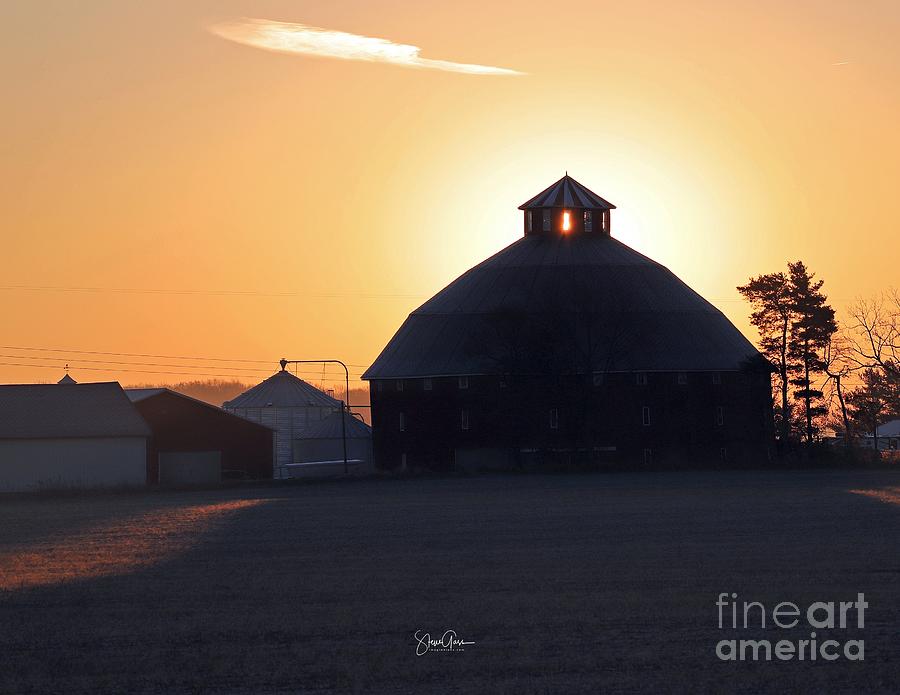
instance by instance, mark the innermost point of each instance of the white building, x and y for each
(888, 437)
(319, 451)
(288, 405)
(70, 435)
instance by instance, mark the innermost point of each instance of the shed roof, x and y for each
(142, 395)
(330, 428)
(135, 395)
(283, 390)
(57, 411)
(567, 193)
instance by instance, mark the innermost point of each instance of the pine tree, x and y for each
(812, 327)
(795, 324)
(770, 297)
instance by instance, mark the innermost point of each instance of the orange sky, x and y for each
(267, 204)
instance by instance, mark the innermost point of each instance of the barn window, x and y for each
(642, 378)
(464, 419)
(645, 415)
(567, 221)
(648, 457)
(546, 225)
(463, 382)
(554, 419)
(530, 218)
(717, 378)
(723, 454)
(399, 384)
(605, 221)
(598, 378)
(426, 383)
(588, 221)
(720, 415)
(682, 378)
(402, 422)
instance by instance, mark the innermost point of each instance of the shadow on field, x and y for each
(564, 584)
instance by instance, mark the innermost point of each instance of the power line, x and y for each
(256, 293)
(145, 371)
(135, 364)
(134, 354)
(122, 366)
(160, 357)
(214, 293)
(135, 371)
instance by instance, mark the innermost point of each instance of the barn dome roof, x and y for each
(563, 303)
(282, 390)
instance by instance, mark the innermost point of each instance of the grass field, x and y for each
(565, 583)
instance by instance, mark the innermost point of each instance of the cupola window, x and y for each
(588, 221)
(546, 226)
(566, 221)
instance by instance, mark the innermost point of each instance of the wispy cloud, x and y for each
(289, 37)
(842, 62)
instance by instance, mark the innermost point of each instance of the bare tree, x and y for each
(874, 348)
(838, 365)
(875, 324)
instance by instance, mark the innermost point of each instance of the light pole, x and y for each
(344, 404)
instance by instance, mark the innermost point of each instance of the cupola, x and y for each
(567, 207)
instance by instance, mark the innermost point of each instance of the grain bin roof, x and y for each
(56, 411)
(330, 428)
(563, 303)
(283, 390)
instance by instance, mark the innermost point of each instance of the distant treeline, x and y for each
(218, 391)
(212, 391)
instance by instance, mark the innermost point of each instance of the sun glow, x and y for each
(567, 221)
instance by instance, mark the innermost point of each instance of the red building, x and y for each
(195, 442)
(569, 346)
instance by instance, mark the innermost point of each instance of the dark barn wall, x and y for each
(181, 424)
(593, 417)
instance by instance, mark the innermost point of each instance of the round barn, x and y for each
(568, 347)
